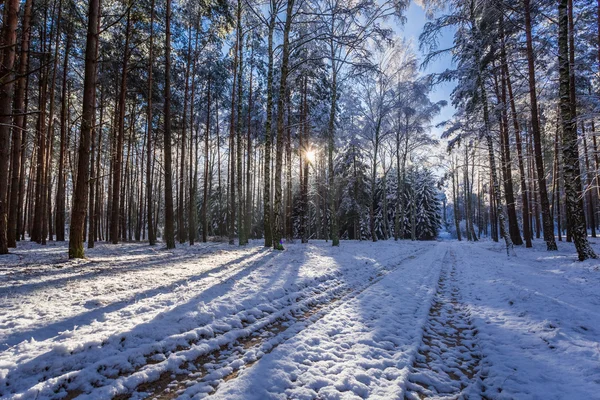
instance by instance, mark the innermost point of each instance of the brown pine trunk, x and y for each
(181, 231)
(248, 212)
(536, 133)
(277, 205)
(97, 207)
(117, 211)
(18, 131)
(588, 190)
(149, 131)
(206, 151)
(87, 118)
(522, 176)
(288, 174)
(40, 190)
(60, 190)
(193, 177)
(9, 40)
(268, 133)
(556, 179)
(303, 149)
(513, 224)
(169, 215)
(571, 170)
(239, 134)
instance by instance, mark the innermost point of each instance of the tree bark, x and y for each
(9, 40)
(87, 118)
(537, 140)
(169, 215)
(571, 170)
(149, 131)
(268, 134)
(118, 161)
(277, 206)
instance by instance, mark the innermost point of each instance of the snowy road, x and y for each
(367, 320)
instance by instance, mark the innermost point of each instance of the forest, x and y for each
(299, 199)
(178, 122)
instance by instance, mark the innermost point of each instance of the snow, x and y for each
(378, 320)
(538, 319)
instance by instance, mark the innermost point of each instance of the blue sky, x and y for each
(415, 20)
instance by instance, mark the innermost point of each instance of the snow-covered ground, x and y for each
(365, 320)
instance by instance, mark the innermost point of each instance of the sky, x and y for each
(415, 20)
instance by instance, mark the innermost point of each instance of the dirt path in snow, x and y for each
(448, 362)
(208, 371)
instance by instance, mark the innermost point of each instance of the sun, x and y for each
(310, 156)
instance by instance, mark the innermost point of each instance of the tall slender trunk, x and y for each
(242, 240)
(571, 170)
(118, 161)
(304, 147)
(181, 231)
(9, 40)
(149, 131)
(517, 130)
(289, 229)
(248, 212)
(206, 150)
(18, 130)
(557, 163)
(268, 134)
(277, 205)
(169, 230)
(193, 178)
(513, 224)
(374, 182)
(232, 136)
(588, 190)
(60, 190)
(335, 240)
(536, 133)
(87, 118)
(455, 204)
(495, 182)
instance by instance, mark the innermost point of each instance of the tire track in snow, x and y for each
(207, 371)
(447, 365)
(57, 376)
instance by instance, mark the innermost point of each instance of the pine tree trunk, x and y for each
(87, 118)
(169, 215)
(304, 147)
(60, 190)
(206, 150)
(248, 211)
(149, 131)
(570, 151)
(117, 211)
(277, 205)
(537, 140)
(588, 190)
(268, 134)
(14, 210)
(513, 224)
(455, 205)
(239, 134)
(495, 182)
(374, 183)
(193, 178)
(231, 184)
(335, 241)
(524, 196)
(181, 231)
(9, 40)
